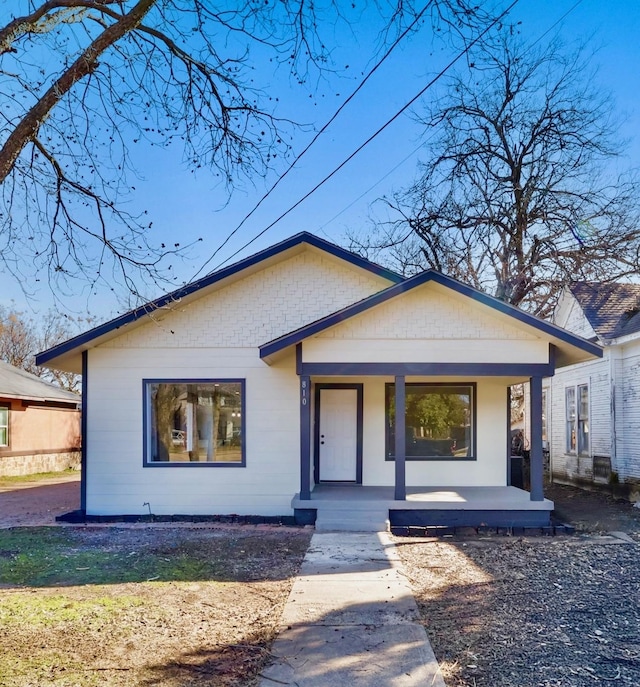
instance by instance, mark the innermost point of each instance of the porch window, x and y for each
(439, 421)
(577, 419)
(4, 425)
(195, 422)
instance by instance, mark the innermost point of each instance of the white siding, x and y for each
(628, 383)
(213, 337)
(490, 468)
(116, 479)
(570, 466)
(440, 351)
(258, 308)
(570, 316)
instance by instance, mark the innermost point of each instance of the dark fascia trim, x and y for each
(320, 325)
(430, 369)
(145, 423)
(175, 296)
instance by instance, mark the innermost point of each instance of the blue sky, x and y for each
(184, 206)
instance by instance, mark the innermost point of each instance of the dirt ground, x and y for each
(500, 611)
(539, 611)
(593, 512)
(143, 605)
(38, 502)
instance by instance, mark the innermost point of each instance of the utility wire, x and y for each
(361, 85)
(374, 135)
(422, 143)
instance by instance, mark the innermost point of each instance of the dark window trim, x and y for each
(145, 422)
(388, 449)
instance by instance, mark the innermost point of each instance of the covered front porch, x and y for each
(374, 508)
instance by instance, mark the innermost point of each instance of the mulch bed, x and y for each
(535, 612)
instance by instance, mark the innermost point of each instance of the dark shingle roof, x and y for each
(612, 310)
(17, 383)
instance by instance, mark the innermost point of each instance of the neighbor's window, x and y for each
(439, 422)
(583, 419)
(570, 414)
(577, 418)
(4, 425)
(195, 422)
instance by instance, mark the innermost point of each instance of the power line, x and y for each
(422, 143)
(375, 68)
(374, 135)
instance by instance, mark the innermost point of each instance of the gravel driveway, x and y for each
(38, 502)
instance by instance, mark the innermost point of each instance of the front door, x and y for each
(339, 433)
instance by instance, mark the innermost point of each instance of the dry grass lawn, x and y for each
(161, 606)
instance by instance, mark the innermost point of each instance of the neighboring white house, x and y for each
(592, 409)
(264, 386)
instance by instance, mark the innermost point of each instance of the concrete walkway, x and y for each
(351, 620)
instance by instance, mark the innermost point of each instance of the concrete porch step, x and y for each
(374, 519)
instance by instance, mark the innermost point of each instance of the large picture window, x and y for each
(194, 422)
(439, 421)
(4, 425)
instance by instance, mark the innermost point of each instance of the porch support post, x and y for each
(536, 474)
(305, 438)
(400, 443)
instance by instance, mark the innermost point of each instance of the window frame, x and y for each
(389, 446)
(146, 423)
(7, 407)
(577, 423)
(583, 446)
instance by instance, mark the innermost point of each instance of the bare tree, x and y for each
(83, 81)
(21, 337)
(519, 192)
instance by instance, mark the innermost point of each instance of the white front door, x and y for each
(338, 435)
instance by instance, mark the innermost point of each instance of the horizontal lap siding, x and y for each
(628, 459)
(489, 469)
(596, 375)
(215, 336)
(117, 481)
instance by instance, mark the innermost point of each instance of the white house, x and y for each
(592, 408)
(306, 381)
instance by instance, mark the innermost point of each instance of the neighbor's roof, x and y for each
(613, 310)
(17, 383)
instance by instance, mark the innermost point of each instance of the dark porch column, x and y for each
(400, 443)
(305, 437)
(536, 489)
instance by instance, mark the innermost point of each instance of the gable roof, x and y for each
(92, 336)
(612, 309)
(552, 331)
(18, 383)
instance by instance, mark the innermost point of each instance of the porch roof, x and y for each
(570, 348)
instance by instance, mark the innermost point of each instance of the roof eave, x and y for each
(85, 340)
(269, 350)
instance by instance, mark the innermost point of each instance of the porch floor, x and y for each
(359, 507)
(421, 498)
